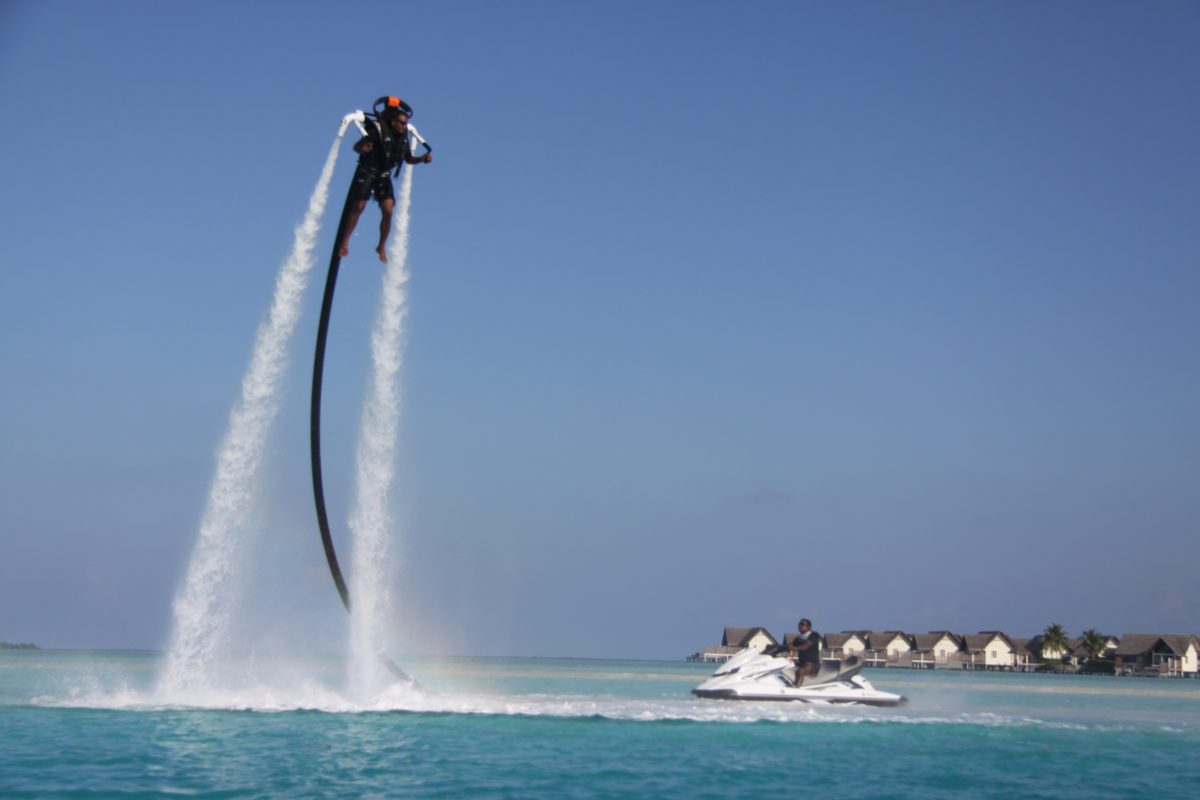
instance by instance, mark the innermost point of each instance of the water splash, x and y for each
(205, 604)
(371, 522)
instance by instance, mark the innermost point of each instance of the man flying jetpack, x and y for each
(382, 149)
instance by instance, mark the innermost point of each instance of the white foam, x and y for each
(308, 694)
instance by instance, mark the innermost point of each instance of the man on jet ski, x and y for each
(383, 149)
(806, 650)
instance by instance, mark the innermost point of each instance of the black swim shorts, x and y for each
(368, 184)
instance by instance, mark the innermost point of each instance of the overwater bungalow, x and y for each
(733, 640)
(844, 644)
(758, 637)
(990, 650)
(937, 650)
(1170, 655)
(1041, 653)
(888, 649)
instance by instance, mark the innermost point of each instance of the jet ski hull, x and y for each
(849, 696)
(755, 676)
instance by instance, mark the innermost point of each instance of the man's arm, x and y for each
(425, 159)
(363, 145)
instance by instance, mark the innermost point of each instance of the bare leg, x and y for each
(803, 671)
(351, 221)
(385, 227)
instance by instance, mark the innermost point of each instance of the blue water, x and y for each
(91, 724)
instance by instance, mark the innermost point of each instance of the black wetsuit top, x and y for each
(389, 151)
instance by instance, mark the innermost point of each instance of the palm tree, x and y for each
(1092, 642)
(1055, 638)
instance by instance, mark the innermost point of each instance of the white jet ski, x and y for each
(751, 675)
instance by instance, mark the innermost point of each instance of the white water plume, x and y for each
(206, 602)
(371, 522)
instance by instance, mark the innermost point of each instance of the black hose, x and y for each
(331, 558)
(335, 262)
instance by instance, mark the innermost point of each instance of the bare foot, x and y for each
(382, 253)
(345, 251)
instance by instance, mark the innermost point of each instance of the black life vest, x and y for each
(388, 151)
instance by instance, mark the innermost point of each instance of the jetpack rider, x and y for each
(384, 148)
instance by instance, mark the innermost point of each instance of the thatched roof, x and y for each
(1037, 644)
(925, 642)
(1137, 644)
(836, 640)
(974, 642)
(1021, 645)
(879, 640)
(740, 637)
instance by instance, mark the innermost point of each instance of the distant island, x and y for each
(18, 646)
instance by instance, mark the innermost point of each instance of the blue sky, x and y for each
(721, 313)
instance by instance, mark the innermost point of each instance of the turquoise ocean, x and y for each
(90, 724)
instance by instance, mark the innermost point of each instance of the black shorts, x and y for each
(368, 184)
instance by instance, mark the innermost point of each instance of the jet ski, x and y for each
(754, 675)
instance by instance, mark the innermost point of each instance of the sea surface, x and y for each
(92, 724)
